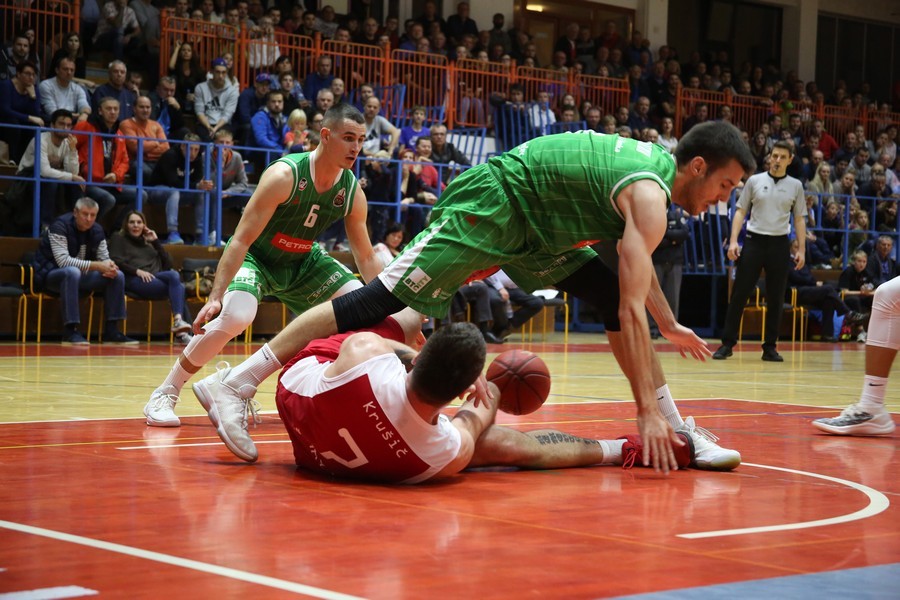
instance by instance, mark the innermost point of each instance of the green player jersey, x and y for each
(300, 219)
(567, 184)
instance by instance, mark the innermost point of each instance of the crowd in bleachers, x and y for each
(852, 181)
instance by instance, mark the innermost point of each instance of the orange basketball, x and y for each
(523, 380)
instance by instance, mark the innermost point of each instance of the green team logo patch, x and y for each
(247, 277)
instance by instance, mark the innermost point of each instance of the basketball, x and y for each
(523, 380)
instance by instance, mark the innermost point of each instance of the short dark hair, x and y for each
(716, 142)
(450, 362)
(60, 113)
(25, 64)
(340, 112)
(274, 93)
(784, 145)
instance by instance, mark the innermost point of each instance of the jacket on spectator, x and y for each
(15, 107)
(234, 176)
(169, 170)
(881, 271)
(125, 97)
(57, 162)
(315, 82)
(117, 159)
(131, 254)
(93, 241)
(171, 120)
(216, 104)
(266, 131)
(248, 105)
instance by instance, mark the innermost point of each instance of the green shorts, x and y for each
(474, 228)
(300, 285)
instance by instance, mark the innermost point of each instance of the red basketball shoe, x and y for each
(633, 450)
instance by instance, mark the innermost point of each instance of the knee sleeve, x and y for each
(598, 285)
(884, 325)
(238, 311)
(365, 307)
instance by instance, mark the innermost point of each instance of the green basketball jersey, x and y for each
(567, 184)
(301, 218)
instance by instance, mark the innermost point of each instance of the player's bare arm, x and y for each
(687, 341)
(643, 204)
(368, 264)
(274, 186)
(471, 420)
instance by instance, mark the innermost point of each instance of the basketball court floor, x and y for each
(94, 502)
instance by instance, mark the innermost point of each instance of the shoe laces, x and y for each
(692, 427)
(250, 410)
(853, 411)
(629, 456)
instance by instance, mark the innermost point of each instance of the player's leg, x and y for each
(869, 416)
(239, 306)
(553, 449)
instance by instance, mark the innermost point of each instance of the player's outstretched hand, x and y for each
(206, 314)
(659, 438)
(478, 392)
(687, 342)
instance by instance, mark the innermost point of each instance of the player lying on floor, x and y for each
(366, 405)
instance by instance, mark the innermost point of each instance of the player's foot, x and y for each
(853, 420)
(160, 409)
(228, 409)
(723, 352)
(633, 449)
(708, 455)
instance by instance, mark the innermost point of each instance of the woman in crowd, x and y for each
(73, 49)
(392, 244)
(667, 137)
(185, 67)
(138, 252)
(20, 104)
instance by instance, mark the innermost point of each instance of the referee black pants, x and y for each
(771, 253)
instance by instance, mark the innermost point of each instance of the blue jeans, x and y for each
(166, 284)
(70, 282)
(109, 197)
(173, 198)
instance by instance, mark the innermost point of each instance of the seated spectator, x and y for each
(118, 30)
(286, 84)
(511, 306)
(667, 137)
(819, 296)
(234, 175)
(72, 49)
(592, 117)
(446, 153)
(62, 93)
(886, 216)
(848, 150)
(59, 162)
(269, 127)
(540, 112)
(73, 258)
(19, 52)
(833, 224)
(857, 287)
(178, 170)
(338, 88)
(416, 129)
(154, 143)
(511, 117)
(326, 24)
(165, 108)
(377, 180)
(324, 101)
(477, 295)
(20, 104)
(701, 115)
(263, 50)
(110, 157)
(297, 132)
(215, 101)
(415, 202)
(184, 66)
(428, 174)
(139, 254)
(250, 101)
(115, 88)
(860, 167)
(885, 147)
(133, 83)
(378, 130)
(319, 79)
(859, 231)
(392, 244)
(639, 118)
(230, 78)
(882, 266)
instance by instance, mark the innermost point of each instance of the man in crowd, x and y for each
(61, 93)
(215, 101)
(154, 143)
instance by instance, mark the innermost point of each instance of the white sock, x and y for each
(667, 406)
(255, 369)
(612, 451)
(176, 379)
(873, 392)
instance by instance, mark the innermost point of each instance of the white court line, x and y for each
(197, 444)
(54, 593)
(176, 561)
(878, 503)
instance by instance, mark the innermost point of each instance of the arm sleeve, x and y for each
(115, 248)
(48, 171)
(48, 99)
(230, 104)
(59, 245)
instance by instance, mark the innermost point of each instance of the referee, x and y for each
(770, 198)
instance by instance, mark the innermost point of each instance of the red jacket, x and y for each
(119, 153)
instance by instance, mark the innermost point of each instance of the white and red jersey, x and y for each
(360, 423)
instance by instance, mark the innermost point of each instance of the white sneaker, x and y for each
(160, 409)
(853, 420)
(180, 326)
(229, 409)
(184, 338)
(708, 455)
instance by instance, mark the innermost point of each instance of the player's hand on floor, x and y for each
(206, 314)
(658, 437)
(687, 342)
